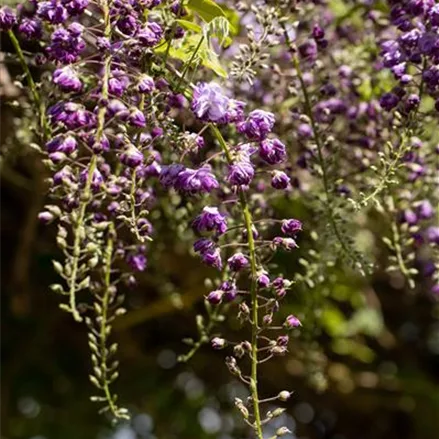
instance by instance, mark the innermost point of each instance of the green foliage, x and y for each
(206, 9)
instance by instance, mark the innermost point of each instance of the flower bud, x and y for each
(284, 395)
(263, 280)
(214, 297)
(282, 431)
(218, 343)
(239, 351)
(292, 322)
(46, 217)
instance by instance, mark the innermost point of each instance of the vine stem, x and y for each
(188, 64)
(318, 141)
(104, 318)
(33, 87)
(402, 149)
(248, 221)
(79, 231)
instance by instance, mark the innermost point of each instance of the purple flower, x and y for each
(308, 50)
(292, 322)
(215, 297)
(96, 179)
(46, 217)
(203, 245)
(8, 18)
(30, 28)
(117, 108)
(209, 253)
(176, 100)
(169, 174)
(272, 151)
(137, 262)
(156, 132)
(62, 144)
(388, 101)
(409, 217)
(118, 82)
(279, 180)
(145, 84)
(258, 125)
(304, 130)
(285, 243)
(433, 14)
(66, 44)
(425, 210)
(75, 116)
(52, 11)
(280, 283)
(263, 280)
(229, 289)
(197, 141)
(290, 227)
(241, 173)
(210, 219)
(127, 24)
(325, 110)
(150, 34)
(317, 32)
(196, 181)
(235, 111)
(103, 145)
(64, 175)
(103, 43)
(178, 9)
(67, 79)
(213, 258)
(137, 118)
(75, 7)
(237, 262)
(209, 103)
(412, 102)
(433, 234)
(131, 157)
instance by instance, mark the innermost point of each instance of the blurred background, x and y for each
(365, 365)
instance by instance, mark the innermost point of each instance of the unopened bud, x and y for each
(282, 431)
(284, 395)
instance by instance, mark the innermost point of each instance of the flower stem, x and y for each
(107, 298)
(33, 87)
(248, 221)
(328, 201)
(79, 230)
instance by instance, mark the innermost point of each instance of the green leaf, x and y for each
(190, 26)
(210, 60)
(206, 9)
(233, 18)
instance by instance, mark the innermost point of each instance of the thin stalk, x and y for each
(33, 87)
(188, 64)
(403, 148)
(248, 221)
(79, 233)
(79, 230)
(399, 255)
(103, 320)
(319, 144)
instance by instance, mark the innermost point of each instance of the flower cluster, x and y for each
(232, 238)
(413, 56)
(128, 137)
